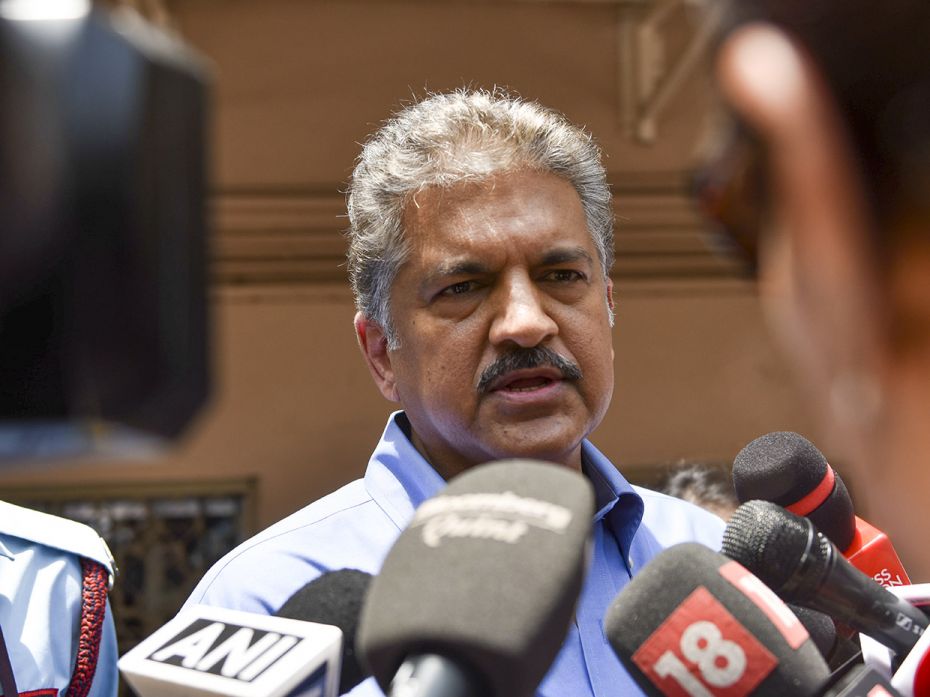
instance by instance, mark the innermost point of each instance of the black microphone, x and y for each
(477, 594)
(800, 564)
(334, 598)
(821, 628)
(910, 674)
(837, 645)
(694, 623)
(787, 469)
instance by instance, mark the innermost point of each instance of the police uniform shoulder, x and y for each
(57, 533)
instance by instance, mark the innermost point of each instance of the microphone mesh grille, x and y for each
(767, 540)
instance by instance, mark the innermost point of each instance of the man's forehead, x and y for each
(503, 203)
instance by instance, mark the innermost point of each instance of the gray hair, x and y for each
(448, 139)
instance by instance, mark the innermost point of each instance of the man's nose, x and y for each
(520, 315)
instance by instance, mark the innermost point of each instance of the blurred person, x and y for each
(56, 627)
(706, 486)
(826, 181)
(480, 245)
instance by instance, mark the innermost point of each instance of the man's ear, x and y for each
(373, 342)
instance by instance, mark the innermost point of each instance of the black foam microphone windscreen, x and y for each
(486, 577)
(334, 598)
(785, 468)
(693, 622)
(800, 564)
(821, 628)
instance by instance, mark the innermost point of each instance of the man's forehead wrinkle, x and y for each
(489, 221)
(464, 223)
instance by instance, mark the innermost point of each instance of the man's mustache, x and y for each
(526, 358)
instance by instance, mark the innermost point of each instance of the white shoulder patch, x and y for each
(58, 533)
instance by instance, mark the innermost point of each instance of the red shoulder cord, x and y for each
(93, 610)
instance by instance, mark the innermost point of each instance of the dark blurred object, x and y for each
(103, 309)
(879, 76)
(730, 192)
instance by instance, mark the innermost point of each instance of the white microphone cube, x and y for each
(214, 651)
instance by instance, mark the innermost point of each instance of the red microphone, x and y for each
(787, 469)
(693, 623)
(872, 553)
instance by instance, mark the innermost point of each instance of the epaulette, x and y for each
(58, 533)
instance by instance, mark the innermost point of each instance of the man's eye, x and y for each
(565, 275)
(459, 288)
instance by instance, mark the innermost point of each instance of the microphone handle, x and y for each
(432, 675)
(875, 611)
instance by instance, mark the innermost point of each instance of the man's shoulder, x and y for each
(345, 529)
(672, 520)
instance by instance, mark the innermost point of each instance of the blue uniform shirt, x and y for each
(356, 526)
(40, 600)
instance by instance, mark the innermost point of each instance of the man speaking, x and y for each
(480, 245)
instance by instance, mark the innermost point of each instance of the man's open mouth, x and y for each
(526, 370)
(526, 384)
(527, 380)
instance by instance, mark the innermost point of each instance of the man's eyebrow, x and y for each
(565, 255)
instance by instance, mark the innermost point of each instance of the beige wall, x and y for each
(299, 82)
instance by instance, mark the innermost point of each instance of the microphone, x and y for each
(477, 594)
(787, 469)
(820, 627)
(912, 677)
(215, 651)
(800, 564)
(334, 598)
(693, 623)
(834, 645)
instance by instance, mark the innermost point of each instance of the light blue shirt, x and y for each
(356, 526)
(40, 600)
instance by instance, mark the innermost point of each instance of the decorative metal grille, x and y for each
(164, 538)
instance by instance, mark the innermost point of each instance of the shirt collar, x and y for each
(614, 497)
(400, 479)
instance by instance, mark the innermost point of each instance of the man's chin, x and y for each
(538, 440)
(553, 436)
